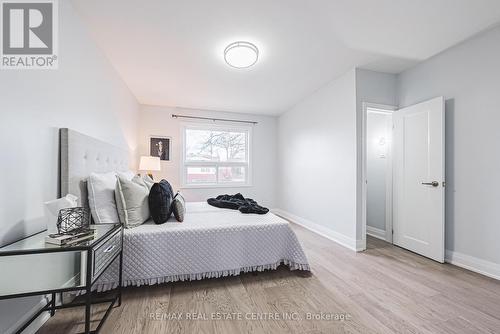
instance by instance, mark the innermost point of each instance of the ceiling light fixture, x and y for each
(241, 54)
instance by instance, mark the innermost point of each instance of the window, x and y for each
(216, 156)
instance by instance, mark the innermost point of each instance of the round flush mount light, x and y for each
(241, 54)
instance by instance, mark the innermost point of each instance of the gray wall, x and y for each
(320, 149)
(317, 154)
(468, 76)
(85, 94)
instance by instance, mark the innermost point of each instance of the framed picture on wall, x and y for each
(160, 147)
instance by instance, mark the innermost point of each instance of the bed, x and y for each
(210, 243)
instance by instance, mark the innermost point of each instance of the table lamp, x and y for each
(149, 164)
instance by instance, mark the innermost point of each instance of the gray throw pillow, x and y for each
(148, 181)
(132, 201)
(179, 207)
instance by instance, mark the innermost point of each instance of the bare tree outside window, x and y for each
(233, 145)
(215, 155)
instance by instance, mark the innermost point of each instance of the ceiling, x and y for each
(171, 52)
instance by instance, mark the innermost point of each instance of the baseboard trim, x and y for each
(36, 324)
(474, 264)
(468, 262)
(360, 245)
(375, 232)
(339, 238)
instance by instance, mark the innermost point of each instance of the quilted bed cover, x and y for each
(211, 242)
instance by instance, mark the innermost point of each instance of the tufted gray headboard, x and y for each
(82, 155)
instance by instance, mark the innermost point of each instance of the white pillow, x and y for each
(128, 175)
(101, 188)
(132, 201)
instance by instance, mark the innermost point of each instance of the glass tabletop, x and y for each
(36, 243)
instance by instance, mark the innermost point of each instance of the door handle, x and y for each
(433, 183)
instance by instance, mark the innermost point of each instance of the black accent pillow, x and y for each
(160, 201)
(179, 207)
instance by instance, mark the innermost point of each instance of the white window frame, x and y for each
(220, 127)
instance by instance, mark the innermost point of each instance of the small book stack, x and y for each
(64, 239)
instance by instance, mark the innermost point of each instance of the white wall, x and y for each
(468, 76)
(378, 126)
(158, 121)
(84, 94)
(317, 161)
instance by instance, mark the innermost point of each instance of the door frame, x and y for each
(389, 109)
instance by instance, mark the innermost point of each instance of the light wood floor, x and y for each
(383, 290)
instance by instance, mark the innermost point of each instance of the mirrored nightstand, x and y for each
(32, 267)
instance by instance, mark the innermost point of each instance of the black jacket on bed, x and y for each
(237, 202)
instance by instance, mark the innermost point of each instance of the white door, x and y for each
(419, 178)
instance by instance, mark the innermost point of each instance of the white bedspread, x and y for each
(211, 242)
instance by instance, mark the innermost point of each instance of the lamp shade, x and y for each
(149, 163)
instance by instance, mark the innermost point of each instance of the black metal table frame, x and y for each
(51, 305)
